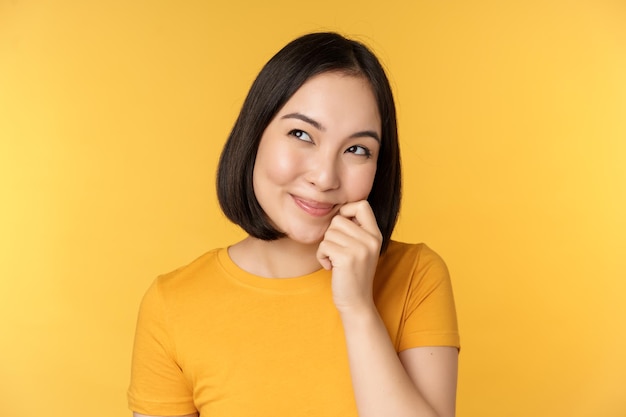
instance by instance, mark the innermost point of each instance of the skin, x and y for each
(317, 155)
(314, 170)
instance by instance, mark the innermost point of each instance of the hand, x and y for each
(350, 248)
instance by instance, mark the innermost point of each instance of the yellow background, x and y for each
(513, 131)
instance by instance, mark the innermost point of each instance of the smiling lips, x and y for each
(314, 208)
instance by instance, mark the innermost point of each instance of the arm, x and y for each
(419, 381)
(157, 384)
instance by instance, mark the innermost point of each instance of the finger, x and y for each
(345, 224)
(326, 263)
(340, 247)
(326, 251)
(343, 238)
(361, 213)
(348, 234)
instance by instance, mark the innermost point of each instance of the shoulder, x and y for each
(413, 293)
(181, 288)
(189, 276)
(416, 256)
(412, 266)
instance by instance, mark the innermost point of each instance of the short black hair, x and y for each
(280, 78)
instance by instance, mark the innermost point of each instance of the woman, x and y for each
(317, 312)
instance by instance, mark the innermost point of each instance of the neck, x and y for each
(282, 258)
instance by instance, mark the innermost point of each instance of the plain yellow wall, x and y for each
(513, 129)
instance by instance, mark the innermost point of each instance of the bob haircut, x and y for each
(280, 78)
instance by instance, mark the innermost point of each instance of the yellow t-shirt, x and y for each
(215, 339)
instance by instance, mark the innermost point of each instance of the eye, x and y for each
(301, 134)
(359, 150)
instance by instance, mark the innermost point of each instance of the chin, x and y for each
(311, 241)
(306, 239)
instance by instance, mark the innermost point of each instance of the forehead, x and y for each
(338, 100)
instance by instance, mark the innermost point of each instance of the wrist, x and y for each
(361, 313)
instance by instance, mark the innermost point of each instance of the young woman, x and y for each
(317, 312)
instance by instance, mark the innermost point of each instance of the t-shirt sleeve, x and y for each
(429, 314)
(157, 383)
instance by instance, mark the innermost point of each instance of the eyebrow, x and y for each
(318, 126)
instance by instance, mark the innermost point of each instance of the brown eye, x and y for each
(359, 150)
(301, 134)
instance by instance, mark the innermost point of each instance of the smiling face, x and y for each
(318, 153)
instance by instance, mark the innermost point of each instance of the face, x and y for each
(317, 154)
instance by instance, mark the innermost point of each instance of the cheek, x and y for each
(360, 184)
(276, 164)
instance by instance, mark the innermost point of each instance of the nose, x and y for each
(323, 172)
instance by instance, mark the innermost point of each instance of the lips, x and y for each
(314, 208)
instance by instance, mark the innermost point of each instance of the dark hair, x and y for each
(279, 79)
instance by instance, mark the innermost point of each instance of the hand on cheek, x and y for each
(351, 247)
